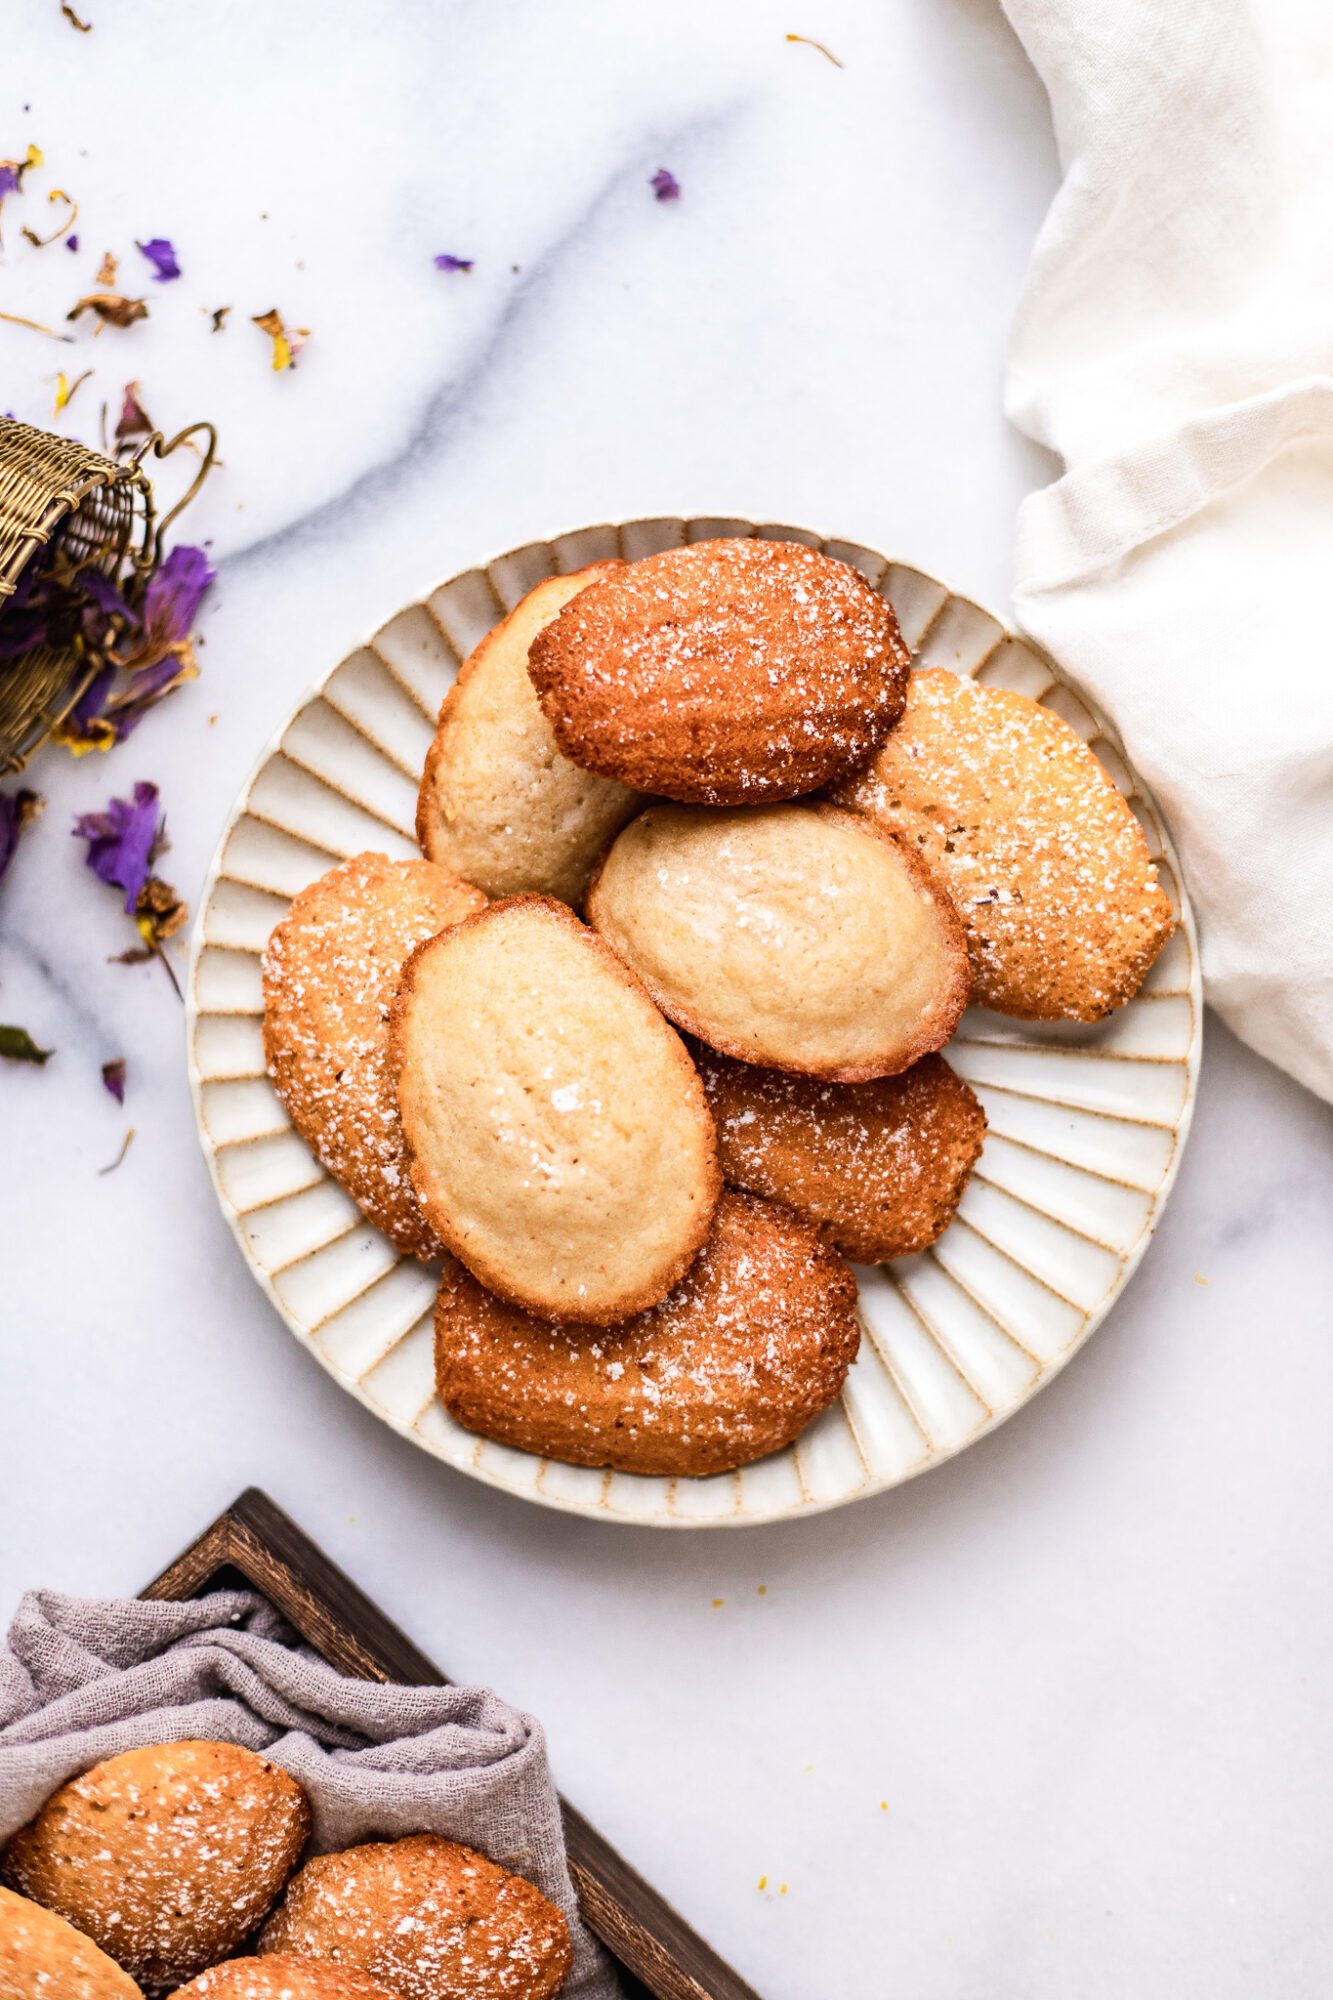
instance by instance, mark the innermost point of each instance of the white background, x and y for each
(1084, 1667)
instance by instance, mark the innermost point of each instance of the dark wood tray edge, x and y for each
(263, 1547)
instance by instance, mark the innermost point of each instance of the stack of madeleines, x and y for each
(159, 1870)
(646, 1045)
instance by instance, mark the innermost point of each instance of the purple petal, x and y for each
(120, 841)
(9, 178)
(72, 242)
(664, 185)
(113, 1076)
(161, 256)
(91, 702)
(104, 594)
(172, 598)
(448, 263)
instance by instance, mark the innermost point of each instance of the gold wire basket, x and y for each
(66, 507)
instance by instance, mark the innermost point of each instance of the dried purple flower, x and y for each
(121, 841)
(133, 421)
(162, 256)
(448, 263)
(72, 242)
(664, 185)
(113, 1076)
(171, 601)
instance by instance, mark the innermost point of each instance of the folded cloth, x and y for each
(1174, 346)
(83, 1680)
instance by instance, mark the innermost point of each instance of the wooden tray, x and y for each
(254, 1543)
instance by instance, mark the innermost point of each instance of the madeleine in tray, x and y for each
(331, 969)
(44, 1958)
(1042, 857)
(784, 935)
(879, 1166)
(430, 1918)
(498, 802)
(751, 1345)
(557, 1131)
(723, 673)
(166, 1857)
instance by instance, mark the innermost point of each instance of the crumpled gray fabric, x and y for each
(82, 1680)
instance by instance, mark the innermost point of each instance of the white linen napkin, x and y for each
(1175, 347)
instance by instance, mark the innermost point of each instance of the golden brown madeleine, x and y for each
(556, 1128)
(432, 1919)
(498, 802)
(330, 972)
(723, 673)
(880, 1166)
(751, 1345)
(1046, 864)
(782, 935)
(284, 1976)
(44, 1958)
(166, 1857)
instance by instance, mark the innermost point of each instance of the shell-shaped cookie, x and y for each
(783, 935)
(166, 1857)
(1042, 857)
(556, 1128)
(498, 803)
(330, 973)
(724, 672)
(282, 1976)
(434, 1920)
(747, 1349)
(879, 1166)
(44, 1958)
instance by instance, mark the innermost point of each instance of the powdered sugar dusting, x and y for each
(725, 672)
(330, 974)
(1043, 859)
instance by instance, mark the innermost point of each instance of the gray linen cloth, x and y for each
(82, 1680)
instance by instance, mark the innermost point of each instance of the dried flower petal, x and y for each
(171, 601)
(162, 256)
(133, 421)
(286, 344)
(218, 314)
(664, 185)
(110, 1168)
(17, 1045)
(120, 842)
(71, 242)
(67, 390)
(84, 27)
(111, 308)
(159, 912)
(18, 810)
(448, 263)
(810, 43)
(66, 222)
(113, 1076)
(106, 272)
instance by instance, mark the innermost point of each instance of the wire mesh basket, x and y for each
(66, 510)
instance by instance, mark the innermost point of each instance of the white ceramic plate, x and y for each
(1086, 1124)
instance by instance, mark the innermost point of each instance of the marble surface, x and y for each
(1049, 1722)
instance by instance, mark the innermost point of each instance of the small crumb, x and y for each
(718, 1602)
(782, 1888)
(763, 1881)
(1199, 1278)
(805, 1768)
(212, 718)
(883, 1805)
(762, 1590)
